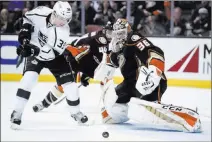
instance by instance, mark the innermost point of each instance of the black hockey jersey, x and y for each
(94, 44)
(137, 51)
(88, 52)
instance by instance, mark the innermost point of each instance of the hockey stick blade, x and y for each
(20, 57)
(19, 61)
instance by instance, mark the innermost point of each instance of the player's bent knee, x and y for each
(57, 91)
(71, 91)
(28, 80)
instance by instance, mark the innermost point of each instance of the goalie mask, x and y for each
(120, 29)
(107, 30)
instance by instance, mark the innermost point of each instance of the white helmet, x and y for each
(62, 13)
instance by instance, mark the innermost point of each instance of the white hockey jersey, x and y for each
(50, 39)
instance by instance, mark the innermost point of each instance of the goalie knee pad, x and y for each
(118, 112)
(113, 112)
(104, 72)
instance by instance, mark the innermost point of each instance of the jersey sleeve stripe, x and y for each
(36, 15)
(27, 18)
(55, 32)
(158, 63)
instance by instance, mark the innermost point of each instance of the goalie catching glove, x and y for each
(148, 80)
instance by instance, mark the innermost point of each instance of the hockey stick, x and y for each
(20, 57)
(19, 61)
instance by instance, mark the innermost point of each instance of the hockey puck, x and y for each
(105, 134)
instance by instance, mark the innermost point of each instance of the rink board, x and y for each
(188, 61)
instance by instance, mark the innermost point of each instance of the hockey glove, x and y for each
(25, 33)
(84, 80)
(27, 50)
(68, 56)
(20, 48)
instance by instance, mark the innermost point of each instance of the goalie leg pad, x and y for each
(113, 112)
(168, 116)
(119, 113)
(104, 72)
(109, 94)
(116, 114)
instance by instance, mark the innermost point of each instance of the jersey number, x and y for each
(142, 44)
(102, 49)
(61, 44)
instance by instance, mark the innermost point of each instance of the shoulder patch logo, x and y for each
(102, 40)
(135, 37)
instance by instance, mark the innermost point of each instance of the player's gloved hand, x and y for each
(20, 48)
(28, 50)
(68, 56)
(148, 80)
(84, 80)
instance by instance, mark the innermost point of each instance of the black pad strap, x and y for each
(73, 103)
(23, 94)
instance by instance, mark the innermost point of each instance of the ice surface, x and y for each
(55, 124)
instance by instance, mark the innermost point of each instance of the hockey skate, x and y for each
(38, 107)
(15, 120)
(80, 118)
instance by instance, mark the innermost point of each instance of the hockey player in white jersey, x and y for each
(43, 43)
